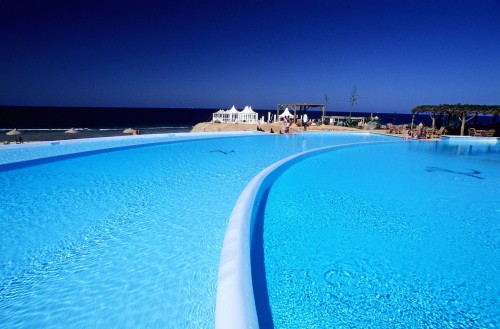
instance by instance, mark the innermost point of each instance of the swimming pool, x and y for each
(400, 235)
(128, 236)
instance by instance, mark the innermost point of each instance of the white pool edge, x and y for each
(235, 303)
(114, 142)
(470, 139)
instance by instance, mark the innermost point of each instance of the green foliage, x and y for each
(352, 123)
(457, 109)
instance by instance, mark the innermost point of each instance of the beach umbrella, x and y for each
(129, 131)
(13, 132)
(71, 131)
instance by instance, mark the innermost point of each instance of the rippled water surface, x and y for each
(130, 238)
(384, 236)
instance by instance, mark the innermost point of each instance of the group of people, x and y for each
(288, 122)
(305, 121)
(420, 132)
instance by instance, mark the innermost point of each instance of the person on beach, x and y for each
(287, 125)
(304, 121)
(408, 135)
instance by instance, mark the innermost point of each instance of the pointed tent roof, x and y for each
(285, 113)
(248, 109)
(233, 110)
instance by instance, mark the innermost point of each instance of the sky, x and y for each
(398, 54)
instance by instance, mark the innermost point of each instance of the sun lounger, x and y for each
(429, 133)
(402, 129)
(475, 132)
(391, 129)
(490, 133)
(439, 132)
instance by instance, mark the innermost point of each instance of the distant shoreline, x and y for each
(38, 135)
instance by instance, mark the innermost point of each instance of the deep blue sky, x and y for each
(213, 54)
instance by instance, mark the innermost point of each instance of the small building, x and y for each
(344, 120)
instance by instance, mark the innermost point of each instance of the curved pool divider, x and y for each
(235, 303)
(135, 142)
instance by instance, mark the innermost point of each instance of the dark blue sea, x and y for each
(178, 119)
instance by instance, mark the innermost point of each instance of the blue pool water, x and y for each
(128, 238)
(382, 236)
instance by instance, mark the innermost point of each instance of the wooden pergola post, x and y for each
(462, 127)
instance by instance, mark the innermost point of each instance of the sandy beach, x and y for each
(276, 127)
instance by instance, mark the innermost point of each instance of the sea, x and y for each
(174, 119)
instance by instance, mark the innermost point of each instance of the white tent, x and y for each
(248, 115)
(285, 113)
(232, 114)
(218, 116)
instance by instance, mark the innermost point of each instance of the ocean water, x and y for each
(404, 235)
(130, 237)
(144, 118)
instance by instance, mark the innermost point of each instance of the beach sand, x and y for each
(215, 127)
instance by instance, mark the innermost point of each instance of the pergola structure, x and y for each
(458, 110)
(301, 107)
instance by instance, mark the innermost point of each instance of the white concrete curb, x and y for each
(235, 304)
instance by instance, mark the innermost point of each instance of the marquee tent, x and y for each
(248, 115)
(286, 113)
(218, 116)
(232, 115)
